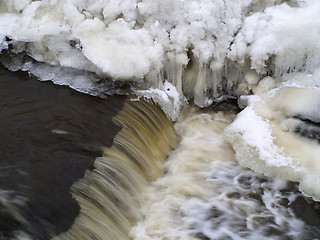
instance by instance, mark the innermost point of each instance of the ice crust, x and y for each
(204, 48)
(277, 132)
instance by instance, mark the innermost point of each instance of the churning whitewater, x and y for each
(176, 171)
(205, 194)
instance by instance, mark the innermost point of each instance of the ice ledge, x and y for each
(167, 97)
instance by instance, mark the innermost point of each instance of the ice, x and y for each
(82, 81)
(167, 97)
(277, 133)
(118, 50)
(256, 144)
(284, 34)
(205, 48)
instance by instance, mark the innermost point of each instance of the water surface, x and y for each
(50, 135)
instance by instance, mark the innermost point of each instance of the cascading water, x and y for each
(110, 195)
(262, 53)
(147, 185)
(199, 192)
(205, 194)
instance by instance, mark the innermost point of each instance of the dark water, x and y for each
(49, 136)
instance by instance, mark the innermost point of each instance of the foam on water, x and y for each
(205, 194)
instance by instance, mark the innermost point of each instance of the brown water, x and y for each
(49, 135)
(112, 194)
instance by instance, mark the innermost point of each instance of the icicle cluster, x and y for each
(206, 49)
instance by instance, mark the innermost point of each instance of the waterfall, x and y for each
(110, 194)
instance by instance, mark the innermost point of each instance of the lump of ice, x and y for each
(286, 35)
(167, 97)
(117, 49)
(82, 81)
(278, 132)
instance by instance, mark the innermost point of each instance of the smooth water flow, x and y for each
(49, 135)
(110, 195)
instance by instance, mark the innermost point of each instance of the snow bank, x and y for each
(204, 48)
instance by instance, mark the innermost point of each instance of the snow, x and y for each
(117, 50)
(204, 48)
(289, 34)
(277, 133)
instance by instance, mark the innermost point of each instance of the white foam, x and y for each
(205, 193)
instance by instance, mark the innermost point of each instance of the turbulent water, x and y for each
(205, 194)
(134, 192)
(245, 166)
